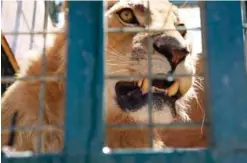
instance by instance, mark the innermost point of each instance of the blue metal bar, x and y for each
(227, 79)
(84, 92)
(185, 2)
(173, 156)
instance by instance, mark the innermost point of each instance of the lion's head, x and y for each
(127, 54)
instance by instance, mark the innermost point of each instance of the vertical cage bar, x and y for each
(17, 26)
(150, 95)
(33, 24)
(42, 86)
(227, 79)
(84, 86)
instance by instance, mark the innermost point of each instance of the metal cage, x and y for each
(226, 86)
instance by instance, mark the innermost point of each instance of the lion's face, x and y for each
(127, 54)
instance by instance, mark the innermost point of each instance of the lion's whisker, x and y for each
(115, 64)
(120, 63)
(197, 83)
(113, 52)
(117, 53)
(204, 115)
(114, 72)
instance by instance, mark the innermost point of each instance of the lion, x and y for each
(126, 54)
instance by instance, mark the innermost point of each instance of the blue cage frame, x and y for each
(226, 80)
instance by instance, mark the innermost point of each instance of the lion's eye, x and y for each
(127, 16)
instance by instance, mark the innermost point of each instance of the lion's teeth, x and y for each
(159, 90)
(173, 89)
(145, 86)
(166, 91)
(139, 83)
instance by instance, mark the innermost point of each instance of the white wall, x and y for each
(192, 20)
(21, 16)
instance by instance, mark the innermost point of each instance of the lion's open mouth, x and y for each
(133, 95)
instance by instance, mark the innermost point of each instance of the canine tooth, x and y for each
(172, 90)
(140, 82)
(154, 89)
(166, 91)
(145, 86)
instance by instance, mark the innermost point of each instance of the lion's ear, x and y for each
(110, 3)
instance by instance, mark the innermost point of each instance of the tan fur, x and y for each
(23, 96)
(127, 138)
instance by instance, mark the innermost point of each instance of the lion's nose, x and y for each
(171, 48)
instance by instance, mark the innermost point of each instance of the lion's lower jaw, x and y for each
(118, 138)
